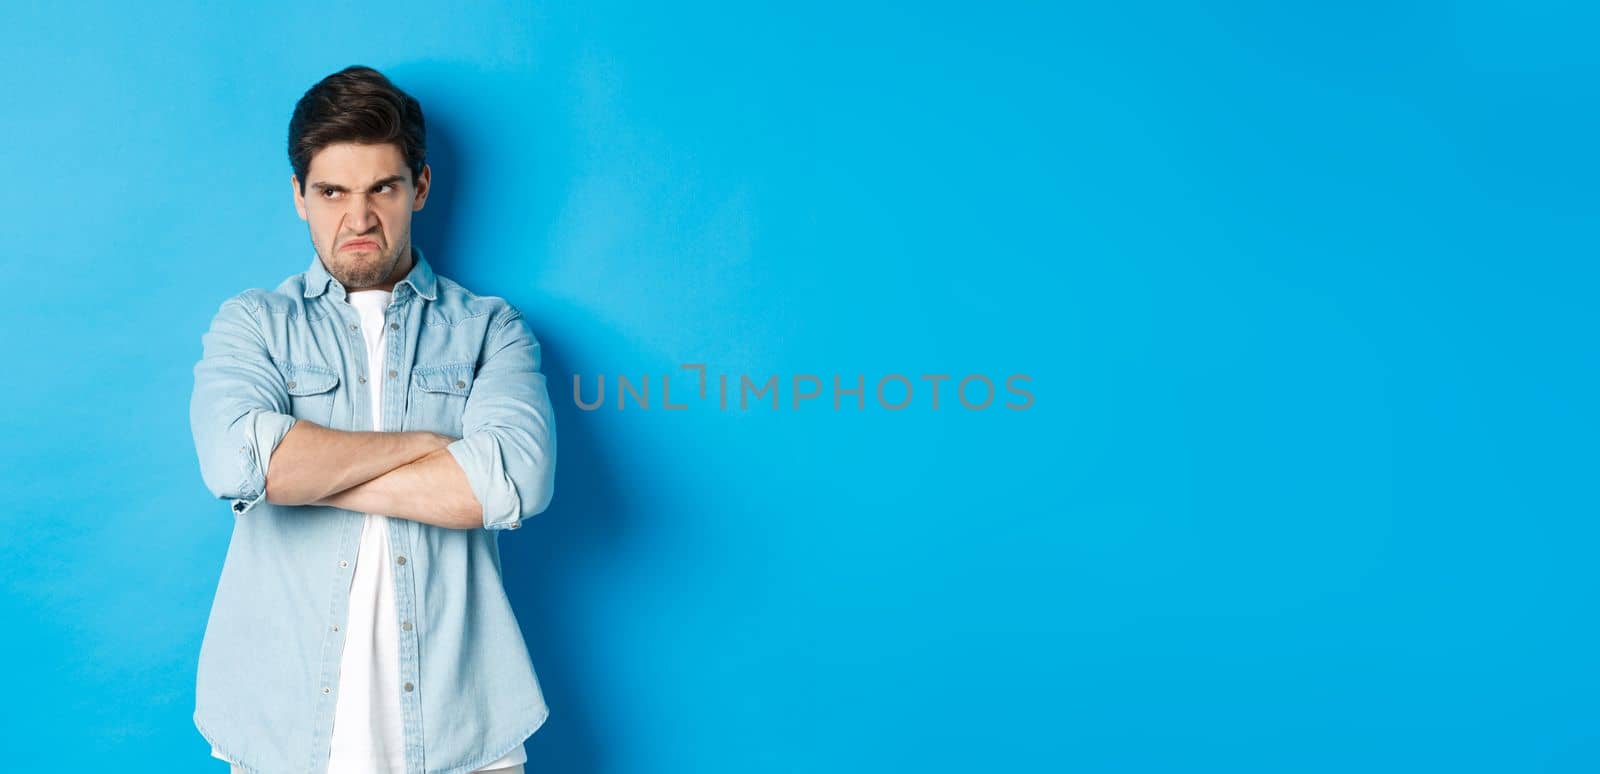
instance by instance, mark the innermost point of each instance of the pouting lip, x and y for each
(360, 243)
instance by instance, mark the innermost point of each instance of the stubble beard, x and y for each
(359, 271)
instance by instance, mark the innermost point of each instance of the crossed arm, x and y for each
(409, 475)
(499, 473)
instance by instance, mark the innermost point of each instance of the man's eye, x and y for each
(385, 188)
(328, 193)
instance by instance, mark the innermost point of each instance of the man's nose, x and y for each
(360, 216)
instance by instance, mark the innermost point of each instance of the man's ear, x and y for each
(299, 198)
(424, 181)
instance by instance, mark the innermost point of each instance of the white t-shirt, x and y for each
(368, 734)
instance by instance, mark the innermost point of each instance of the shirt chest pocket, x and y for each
(311, 391)
(439, 397)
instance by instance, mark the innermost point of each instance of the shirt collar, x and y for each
(420, 278)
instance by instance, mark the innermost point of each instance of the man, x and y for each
(374, 427)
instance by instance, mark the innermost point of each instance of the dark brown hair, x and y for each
(357, 104)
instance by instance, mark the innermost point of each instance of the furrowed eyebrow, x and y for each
(390, 180)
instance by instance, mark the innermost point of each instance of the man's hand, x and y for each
(313, 462)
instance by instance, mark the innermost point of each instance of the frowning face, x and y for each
(357, 202)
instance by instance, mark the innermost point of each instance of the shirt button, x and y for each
(460, 384)
(394, 326)
(343, 563)
(325, 689)
(363, 379)
(393, 374)
(290, 385)
(354, 327)
(406, 626)
(409, 686)
(336, 627)
(400, 559)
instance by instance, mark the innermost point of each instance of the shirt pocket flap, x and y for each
(452, 378)
(308, 379)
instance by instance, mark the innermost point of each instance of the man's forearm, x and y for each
(433, 490)
(313, 462)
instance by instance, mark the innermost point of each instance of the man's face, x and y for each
(358, 203)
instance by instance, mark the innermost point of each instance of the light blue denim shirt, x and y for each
(456, 363)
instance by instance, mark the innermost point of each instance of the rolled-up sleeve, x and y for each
(239, 409)
(508, 443)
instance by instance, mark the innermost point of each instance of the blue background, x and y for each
(1306, 298)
